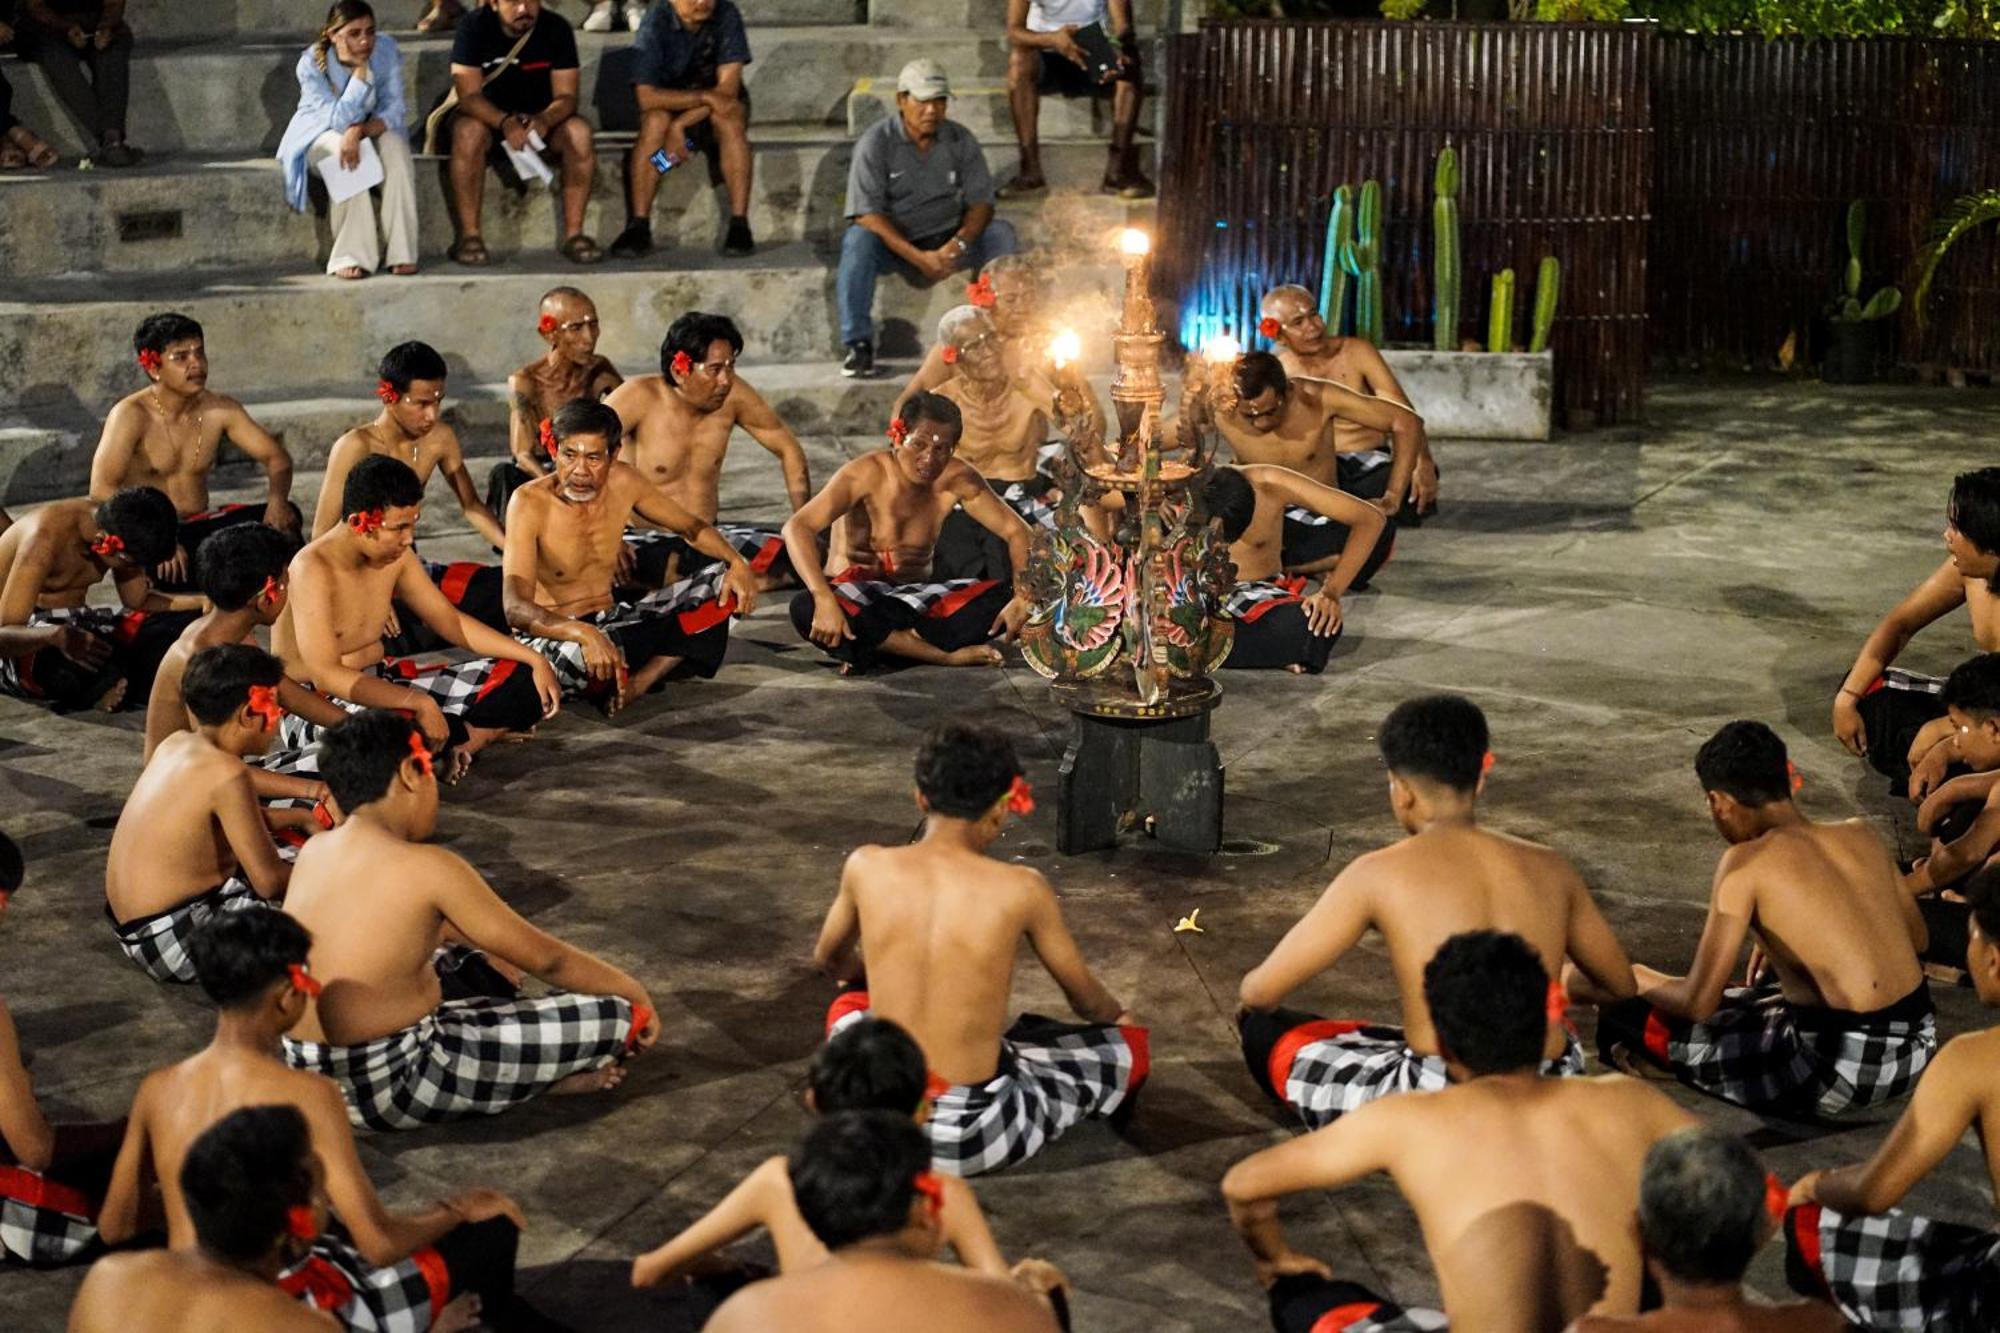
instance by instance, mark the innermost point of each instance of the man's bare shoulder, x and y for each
(444, 439)
(961, 478)
(222, 405)
(129, 412)
(1967, 1064)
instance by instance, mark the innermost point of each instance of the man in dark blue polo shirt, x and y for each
(919, 200)
(689, 82)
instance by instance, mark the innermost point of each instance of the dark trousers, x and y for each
(93, 84)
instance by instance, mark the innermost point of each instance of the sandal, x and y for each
(469, 251)
(403, 270)
(34, 153)
(580, 249)
(11, 157)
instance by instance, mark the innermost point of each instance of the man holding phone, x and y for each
(1075, 48)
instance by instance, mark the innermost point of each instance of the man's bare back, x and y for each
(173, 839)
(175, 1291)
(899, 1295)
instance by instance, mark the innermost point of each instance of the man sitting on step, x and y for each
(940, 923)
(169, 434)
(1447, 877)
(1044, 56)
(679, 422)
(886, 509)
(571, 369)
(55, 649)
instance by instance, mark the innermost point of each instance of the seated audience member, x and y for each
(919, 201)
(250, 1189)
(680, 422)
(514, 65)
(565, 534)
(689, 86)
(381, 1269)
(1449, 876)
(242, 574)
(192, 841)
(1703, 1215)
(57, 650)
(19, 146)
(889, 505)
(872, 1065)
(866, 1191)
(1845, 1239)
(1524, 1186)
(343, 586)
(1291, 320)
(414, 1033)
(1962, 815)
(1277, 625)
(941, 922)
(1837, 1014)
(411, 429)
(571, 369)
(351, 94)
(1044, 57)
(168, 436)
(1284, 424)
(85, 50)
(1892, 717)
(52, 1177)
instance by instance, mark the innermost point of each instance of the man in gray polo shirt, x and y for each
(919, 200)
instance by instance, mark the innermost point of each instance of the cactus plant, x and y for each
(1362, 259)
(1548, 283)
(1500, 313)
(1849, 308)
(1333, 275)
(1444, 250)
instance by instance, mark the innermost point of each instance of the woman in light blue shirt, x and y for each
(351, 98)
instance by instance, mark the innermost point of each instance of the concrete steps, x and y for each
(981, 106)
(196, 20)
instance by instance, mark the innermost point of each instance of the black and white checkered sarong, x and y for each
(159, 943)
(43, 1221)
(1034, 500)
(470, 1057)
(1761, 1051)
(401, 1298)
(456, 686)
(1308, 1303)
(1248, 601)
(691, 609)
(1896, 1270)
(761, 548)
(1051, 1076)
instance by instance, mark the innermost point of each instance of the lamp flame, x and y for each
(1065, 348)
(1221, 349)
(1134, 242)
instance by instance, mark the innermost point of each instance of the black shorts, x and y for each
(1063, 77)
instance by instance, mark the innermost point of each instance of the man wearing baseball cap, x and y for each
(919, 201)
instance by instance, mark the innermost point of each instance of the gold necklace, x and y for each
(167, 421)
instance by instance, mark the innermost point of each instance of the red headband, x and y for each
(148, 359)
(980, 293)
(264, 703)
(388, 392)
(106, 544)
(681, 365)
(299, 1222)
(304, 982)
(928, 1185)
(546, 324)
(1486, 762)
(1268, 327)
(421, 752)
(1020, 796)
(950, 355)
(547, 431)
(365, 522)
(898, 432)
(1798, 778)
(1556, 1002)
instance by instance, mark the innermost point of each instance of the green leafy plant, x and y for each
(1848, 308)
(1964, 214)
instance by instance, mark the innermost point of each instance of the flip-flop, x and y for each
(42, 157)
(581, 249)
(470, 251)
(12, 158)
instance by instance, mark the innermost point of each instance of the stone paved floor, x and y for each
(1609, 599)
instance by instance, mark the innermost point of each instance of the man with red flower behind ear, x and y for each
(1448, 876)
(1834, 1013)
(566, 320)
(169, 435)
(55, 649)
(192, 841)
(941, 922)
(435, 1268)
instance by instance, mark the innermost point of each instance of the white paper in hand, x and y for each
(528, 163)
(343, 183)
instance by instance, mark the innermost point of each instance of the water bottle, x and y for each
(663, 161)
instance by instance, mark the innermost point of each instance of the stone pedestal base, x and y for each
(1150, 771)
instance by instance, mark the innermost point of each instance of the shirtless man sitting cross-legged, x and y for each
(56, 650)
(1524, 1186)
(885, 509)
(192, 841)
(564, 535)
(245, 1181)
(414, 1032)
(435, 1268)
(866, 1191)
(342, 587)
(1284, 423)
(1835, 1013)
(567, 321)
(169, 435)
(1447, 877)
(410, 428)
(679, 422)
(939, 923)
(1011, 290)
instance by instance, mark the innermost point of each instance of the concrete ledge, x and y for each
(1478, 395)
